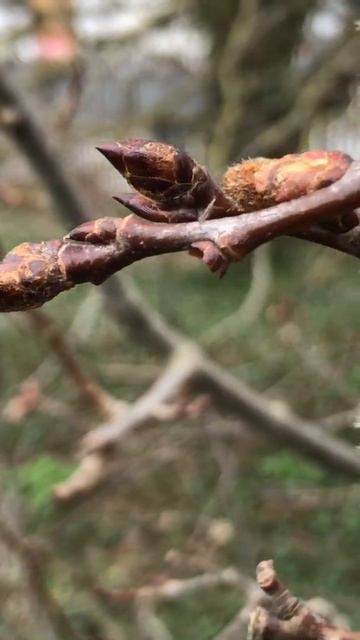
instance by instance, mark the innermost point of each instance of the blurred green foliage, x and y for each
(289, 471)
(35, 481)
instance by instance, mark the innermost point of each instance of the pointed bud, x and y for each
(148, 209)
(161, 173)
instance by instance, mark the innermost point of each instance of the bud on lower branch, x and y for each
(32, 274)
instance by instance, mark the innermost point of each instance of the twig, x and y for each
(346, 243)
(277, 420)
(97, 443)
(43, 599)
(88, 475)
(236, 628)
(128, 308)
(150, 626)
(189, 366)
(245, 106)
(157, 19)
(315, 360)
(298, 500)
(182, 366)
(232, 88)
(23, 130)
(93, 393)
(293, 619)
(74, 91)
(252, 305)
(172, 589)
(146, 598)
(312, 95)
(339, 421)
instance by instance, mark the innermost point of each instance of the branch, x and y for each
(74, 91)
(122, 299)
(346, 243)
(207, 224)
(277, 420)
(172, 589)
(293, 619)
(45, 603)
(96, 446)
(27, 135)
(98, 400)
(304, 500)
(311, 97)
(32, 274)
(240, 320)
(145, 599)
(188, 366)
(337, 422)
(237, 627)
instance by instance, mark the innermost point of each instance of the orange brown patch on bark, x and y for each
(263, 182)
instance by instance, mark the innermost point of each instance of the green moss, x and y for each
(290, 470)
(35, 480)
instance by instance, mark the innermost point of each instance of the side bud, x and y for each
(263, 182)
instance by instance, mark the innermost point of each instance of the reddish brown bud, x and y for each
(162, 173)
(211, 255)
(263, 182)
(148, 209)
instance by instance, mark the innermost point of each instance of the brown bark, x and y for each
(32, 274)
